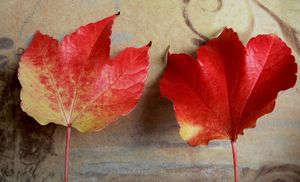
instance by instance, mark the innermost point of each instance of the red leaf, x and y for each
(76, 83)
(228, 87)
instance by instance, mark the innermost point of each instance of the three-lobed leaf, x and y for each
(75, 82)
(228, 87)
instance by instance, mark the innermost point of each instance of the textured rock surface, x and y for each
(145, 145)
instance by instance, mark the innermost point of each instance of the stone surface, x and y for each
(145, 145)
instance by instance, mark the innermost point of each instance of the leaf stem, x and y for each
(235, 162)
(68, 137)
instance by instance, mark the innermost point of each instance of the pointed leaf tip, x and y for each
(167, 54)
(228, 30)
(168, 49)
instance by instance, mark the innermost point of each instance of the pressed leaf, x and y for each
(228, 87)
(75, 82)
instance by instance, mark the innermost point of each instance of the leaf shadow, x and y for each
(156, 112)
(24, 143)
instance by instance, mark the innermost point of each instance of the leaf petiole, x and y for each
(68, 137)
(235, 163)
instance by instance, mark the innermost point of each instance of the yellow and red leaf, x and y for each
(75, 82)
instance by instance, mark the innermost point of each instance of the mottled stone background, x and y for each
(145, 145)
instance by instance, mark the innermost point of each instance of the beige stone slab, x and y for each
(145, 145)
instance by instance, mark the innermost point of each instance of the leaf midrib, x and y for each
(79, 78)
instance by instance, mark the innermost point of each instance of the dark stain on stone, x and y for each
(3, 58)
(48, 177)
(283, 172)
(6, 43)
(24, 143)
(35, 141)
(5, 171)
(3, 62)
